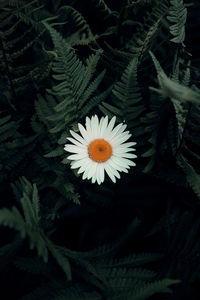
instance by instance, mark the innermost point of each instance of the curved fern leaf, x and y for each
(129, 104)
(177, 16)
(149, 289)
(193, 178)
(75, 88)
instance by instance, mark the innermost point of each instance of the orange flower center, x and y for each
(99, 150)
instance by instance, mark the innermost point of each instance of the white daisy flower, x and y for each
(101, 148)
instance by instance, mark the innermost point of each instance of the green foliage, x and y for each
(177, 16)
(21, 29)
(124, 280)
(135, 260)
(75, 87)
(82, 34)
(14, 147)
(176, 91)
(28, 223)
(52, 148)
(62, 237)
(128, 98)
(144, 28)
(185, 100)
(75, 91)
(145, 291)
(105, 9)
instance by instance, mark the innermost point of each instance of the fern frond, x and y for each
(157, 65)
(44, 107)
(170, 88)
(135, 260)
(145, 44)
(21, 30)
(75, 294)
(149, 289)
(58, 290)
(61, 259)
(29, 224)
(72, 195)
(187, 75)
(177, 16)
(179, 94)
(13, 146)
(129, 104)
(91, 63)
(81, 28)
(91, 89)
(193, 178)
(75, 85)
(36, 203)
(94, 101)
(75, 93)
(126, 272)
(13, 219)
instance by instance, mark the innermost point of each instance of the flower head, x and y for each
(101, 148)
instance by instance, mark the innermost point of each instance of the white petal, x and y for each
(84, 165)
(110, 173)
(114, 171)
(98, 181)
(75, 142)
(74, 149)
(120, 149)
(129, 144)
(129, 162)
(121, 139)
(78, 137)
(101, 172)
(77, 164)
(120, 136)
(98, 176)
(124, 162)
(94, 178)
(92, 170)
(128, 155)
(89, 165)
(78, 156)
(87, 121)
(103, 126)
(88, 126)
(95, 127)
(101, 121)
(84, 175)
(117, 166)
(92, 125)
(111, 124)
(116, 131)
(84, 133)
